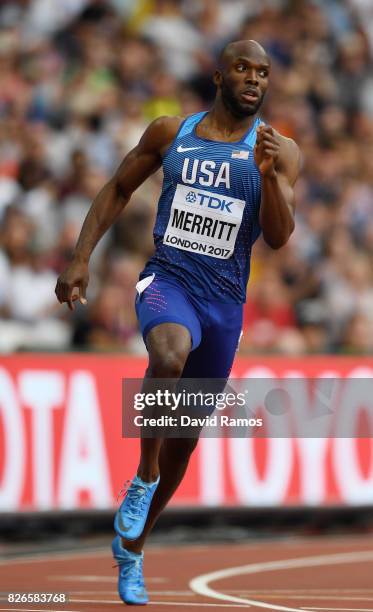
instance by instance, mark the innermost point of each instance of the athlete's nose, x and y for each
(251, 77)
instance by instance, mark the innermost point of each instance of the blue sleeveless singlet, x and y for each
(208, 214)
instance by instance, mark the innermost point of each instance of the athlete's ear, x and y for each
(217, 78)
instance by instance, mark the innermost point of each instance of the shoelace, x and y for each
(135, 578)
(124, 489)
(136, 495)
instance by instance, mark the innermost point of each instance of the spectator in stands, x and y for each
(80, 81)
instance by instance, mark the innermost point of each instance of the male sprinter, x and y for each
(226, 178)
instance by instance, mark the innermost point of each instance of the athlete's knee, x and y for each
(168, 346)
(169, 364)
(180, 449)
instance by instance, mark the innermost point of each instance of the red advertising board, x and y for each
(61, 445)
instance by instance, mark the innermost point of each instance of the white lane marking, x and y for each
(268, 595)
(204, 605)
(346, 609)
(56, 556)
(109, 579)
(92, 593)
(199, 584)
(173, 593)
(301, 591)
(156, 603)
(316, 597)
(84, 578)
(99, 601)
(104, 551)
(114, 593)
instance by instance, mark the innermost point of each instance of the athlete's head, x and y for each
(242, 77)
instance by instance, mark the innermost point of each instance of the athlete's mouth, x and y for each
(250, 95)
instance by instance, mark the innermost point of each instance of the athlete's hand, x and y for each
(267, 150)
(75, 275)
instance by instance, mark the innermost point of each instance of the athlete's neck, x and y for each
(224, 123)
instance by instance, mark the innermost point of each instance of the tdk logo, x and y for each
(191, 197)
(208, 201)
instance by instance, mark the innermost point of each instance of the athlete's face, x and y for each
(243, 83)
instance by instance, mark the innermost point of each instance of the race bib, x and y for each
(204, 222)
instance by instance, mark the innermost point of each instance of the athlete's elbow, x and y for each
(277, 241)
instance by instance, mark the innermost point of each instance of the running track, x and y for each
(319, 574)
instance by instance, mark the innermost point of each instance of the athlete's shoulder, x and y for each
(161, 132)
(167, 123)
(166, 126)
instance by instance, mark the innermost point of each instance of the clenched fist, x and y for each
(267, 150)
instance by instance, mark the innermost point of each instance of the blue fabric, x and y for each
(189, 124)
(195, 163)
(214, 326)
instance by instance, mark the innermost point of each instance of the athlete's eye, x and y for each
(263, 73)
(241, 67)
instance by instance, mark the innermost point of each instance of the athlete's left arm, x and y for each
(278, 160)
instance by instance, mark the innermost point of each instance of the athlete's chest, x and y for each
(219, 166)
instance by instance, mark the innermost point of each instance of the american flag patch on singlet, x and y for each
(240, 154)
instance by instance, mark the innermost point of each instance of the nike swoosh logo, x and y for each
(121, 524)
(181, 149)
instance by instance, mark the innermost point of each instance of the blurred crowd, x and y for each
(81, 79)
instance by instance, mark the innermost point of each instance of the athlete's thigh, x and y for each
(167, 318)
(215, 355)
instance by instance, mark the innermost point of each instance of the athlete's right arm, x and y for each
(136, 167)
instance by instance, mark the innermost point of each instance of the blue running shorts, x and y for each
(215, 327)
